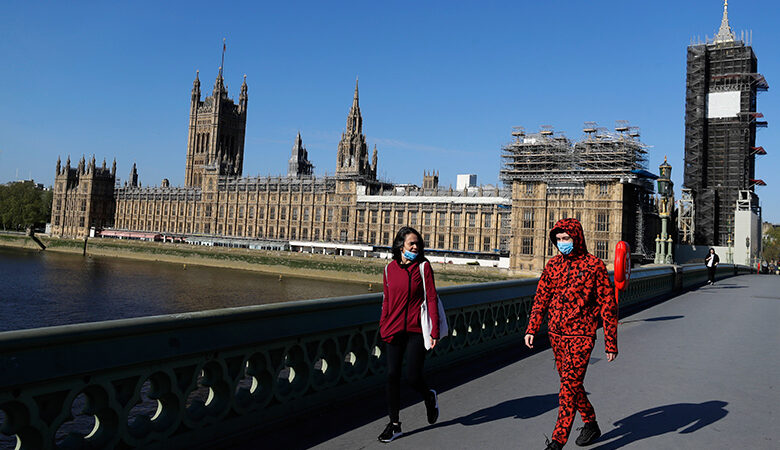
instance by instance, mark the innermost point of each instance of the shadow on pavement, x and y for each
(663, 419)
(519, 408)
(653, 319)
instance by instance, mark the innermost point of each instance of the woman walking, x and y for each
(399, 325)
(711, 261)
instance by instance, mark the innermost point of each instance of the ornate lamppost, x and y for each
(663, 243)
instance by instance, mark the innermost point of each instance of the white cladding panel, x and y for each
(723, 104)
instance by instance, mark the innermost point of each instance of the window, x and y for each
(386, 217)
(386, 238)
(248, 229)
(259, 231)
(221, 210)
(239, 230)
(261, 213)
(251, 212)
(345, 216)
(486, 244)
(487, 219)
(603, 189)
(551, 221)
(601, 250)
(281, 233)
(527, 246)
(306, 213)
(413, 218)
(272, 213)
(442, 219)
(578, 216)
(316, 234)
(602, 221)
(330, 214)
(373, 237)
(399, 217)
(328, 235)
(427, 218)
(470, 244)
(456, 242)
(360, 236)
(240, 212)
(456, 219)
(294, 213)
(529, 189)
(292, 234)
(550, 248)
(318, 214)
(283, 213)
(440, 241)
(528, 218)
(472, 219)
(230, 230)
(305, 233)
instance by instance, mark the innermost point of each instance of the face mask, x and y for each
(566, 247)
(409, 255)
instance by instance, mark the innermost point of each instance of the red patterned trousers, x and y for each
(572, 354)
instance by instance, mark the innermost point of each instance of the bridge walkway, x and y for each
(701, 370)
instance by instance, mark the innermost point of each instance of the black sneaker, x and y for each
(432, 406)
(553, 445)
(391, 432)
(590, 432)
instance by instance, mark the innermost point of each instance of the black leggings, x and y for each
(711, 274)
(412, 345)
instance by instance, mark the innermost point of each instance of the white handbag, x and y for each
(425, 319)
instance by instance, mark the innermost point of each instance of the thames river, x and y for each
(39, 289)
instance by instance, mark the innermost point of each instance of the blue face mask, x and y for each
(409, 255)
(566, 247)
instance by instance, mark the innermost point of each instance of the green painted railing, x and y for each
(185, 380)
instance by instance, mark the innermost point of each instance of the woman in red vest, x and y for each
(399, 325)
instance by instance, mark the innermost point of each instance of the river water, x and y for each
(39, 289)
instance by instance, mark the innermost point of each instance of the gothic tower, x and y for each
(720, 129)
(352, 158)
(216, 133)
(299, 165)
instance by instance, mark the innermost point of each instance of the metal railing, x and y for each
(183, 380)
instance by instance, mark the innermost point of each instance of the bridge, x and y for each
(698, 370)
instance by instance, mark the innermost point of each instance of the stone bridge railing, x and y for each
(188, 380)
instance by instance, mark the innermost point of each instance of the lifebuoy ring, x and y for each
(622, 265)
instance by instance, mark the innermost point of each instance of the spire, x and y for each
(196, 87)
(355, 103)
(724, 32)
(113, 168)
(59, 165)
(242, 98)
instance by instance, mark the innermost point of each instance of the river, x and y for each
(39, 289)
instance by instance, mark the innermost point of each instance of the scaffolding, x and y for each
(720, 149)
(685, 213)
(551, 157)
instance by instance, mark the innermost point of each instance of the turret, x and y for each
(58, 165)
(242, 98)
(133, 180)
(196, 88)
(113, 168)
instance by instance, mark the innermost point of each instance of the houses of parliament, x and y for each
(352, 208)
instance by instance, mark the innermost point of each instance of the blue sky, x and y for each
(441, 83)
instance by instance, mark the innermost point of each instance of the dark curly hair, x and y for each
(400, 238)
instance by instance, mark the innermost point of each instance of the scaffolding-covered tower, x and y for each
(601, 179)
(720, 129)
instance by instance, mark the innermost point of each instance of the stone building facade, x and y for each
(351, 207)
(83, 197)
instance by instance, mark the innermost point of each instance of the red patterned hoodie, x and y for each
(574, 290)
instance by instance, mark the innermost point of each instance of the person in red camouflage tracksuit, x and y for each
(574, 290)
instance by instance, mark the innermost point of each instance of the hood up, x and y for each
(574, 229)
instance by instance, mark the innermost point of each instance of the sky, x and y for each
(442, 83)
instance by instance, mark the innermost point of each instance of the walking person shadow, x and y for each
(663, 419)
(519, 408)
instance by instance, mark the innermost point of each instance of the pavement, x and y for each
(701, 370)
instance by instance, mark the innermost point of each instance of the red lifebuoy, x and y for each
(622, 265)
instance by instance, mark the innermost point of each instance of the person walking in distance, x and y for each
(711, 261)
(399, 325)
(574, 290)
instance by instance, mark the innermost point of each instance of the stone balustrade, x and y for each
(188, 380)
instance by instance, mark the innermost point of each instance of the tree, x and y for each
(771, 244)
(24, 204)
